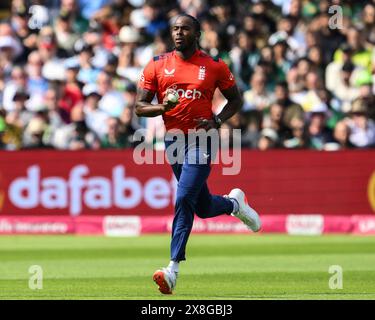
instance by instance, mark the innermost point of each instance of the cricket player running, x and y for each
(195, 76)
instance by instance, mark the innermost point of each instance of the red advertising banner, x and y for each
(89, 183)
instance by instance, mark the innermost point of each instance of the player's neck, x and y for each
(187, 53)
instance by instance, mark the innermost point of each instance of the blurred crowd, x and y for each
(69, 70)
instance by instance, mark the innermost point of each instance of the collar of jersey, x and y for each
(192, 57)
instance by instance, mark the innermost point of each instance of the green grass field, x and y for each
(218, 267)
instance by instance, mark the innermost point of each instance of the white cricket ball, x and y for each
(172, 97)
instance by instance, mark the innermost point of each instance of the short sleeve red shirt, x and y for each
(195, 80)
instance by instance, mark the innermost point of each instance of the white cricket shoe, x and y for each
(245, 213)
(166, 280)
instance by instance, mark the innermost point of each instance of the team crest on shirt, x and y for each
(202, 73)
(169, 73)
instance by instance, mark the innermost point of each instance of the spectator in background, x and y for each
(251, 132)
(368, 22)
(268, 139)
(224, 12)
(54, 114)
(36, 83)
(255, 25)
(327, 38)
(286, 32)
(19, 22)
(282, 96)
(312, 41)
(18, 82)
(87, 72)
(309, 98)
(110, 19)
(72, 68)
(115, 139)
(112, 101)
(343, 89)
(127, 127)
(79, 136)
(82, 138)
(93, 38)
(129, 41)
(262, 12)
(110, 68)
(216, 45)
(157, 21)
(361, 57)
(297, 77)
(315, 55)
(258, 97)
(362, 129)
(95, 118)
(334, 68)
(364, 81)
(244, 56)
(208, 24)
(304, 66)
(160, 45)
(71, 89)
(299, 138)
(52, 56)
(128, 65)
(275, 121)
(78, 20)
(75, 135)
(341, 136)
(268, 70)
(193, 7)
(282, 64)
(33, 137)
(10, 48)
(20, 115)
(88, 7)
(130, 94)
(318, 131)
(65, 35)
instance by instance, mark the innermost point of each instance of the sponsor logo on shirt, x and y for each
(187, 94)
(202, 73)
(169, 73)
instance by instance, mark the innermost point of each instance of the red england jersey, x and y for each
(195, 80)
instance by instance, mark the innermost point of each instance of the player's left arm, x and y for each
(233, 105)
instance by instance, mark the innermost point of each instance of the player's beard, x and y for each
(181, 46)
(184, 45)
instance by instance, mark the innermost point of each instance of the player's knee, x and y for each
(200, 214)
(202, 211)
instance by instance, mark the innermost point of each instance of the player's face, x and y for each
(184, 34)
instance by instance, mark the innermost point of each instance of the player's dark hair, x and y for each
(196, 23)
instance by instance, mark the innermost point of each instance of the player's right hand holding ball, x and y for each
(170, 99)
